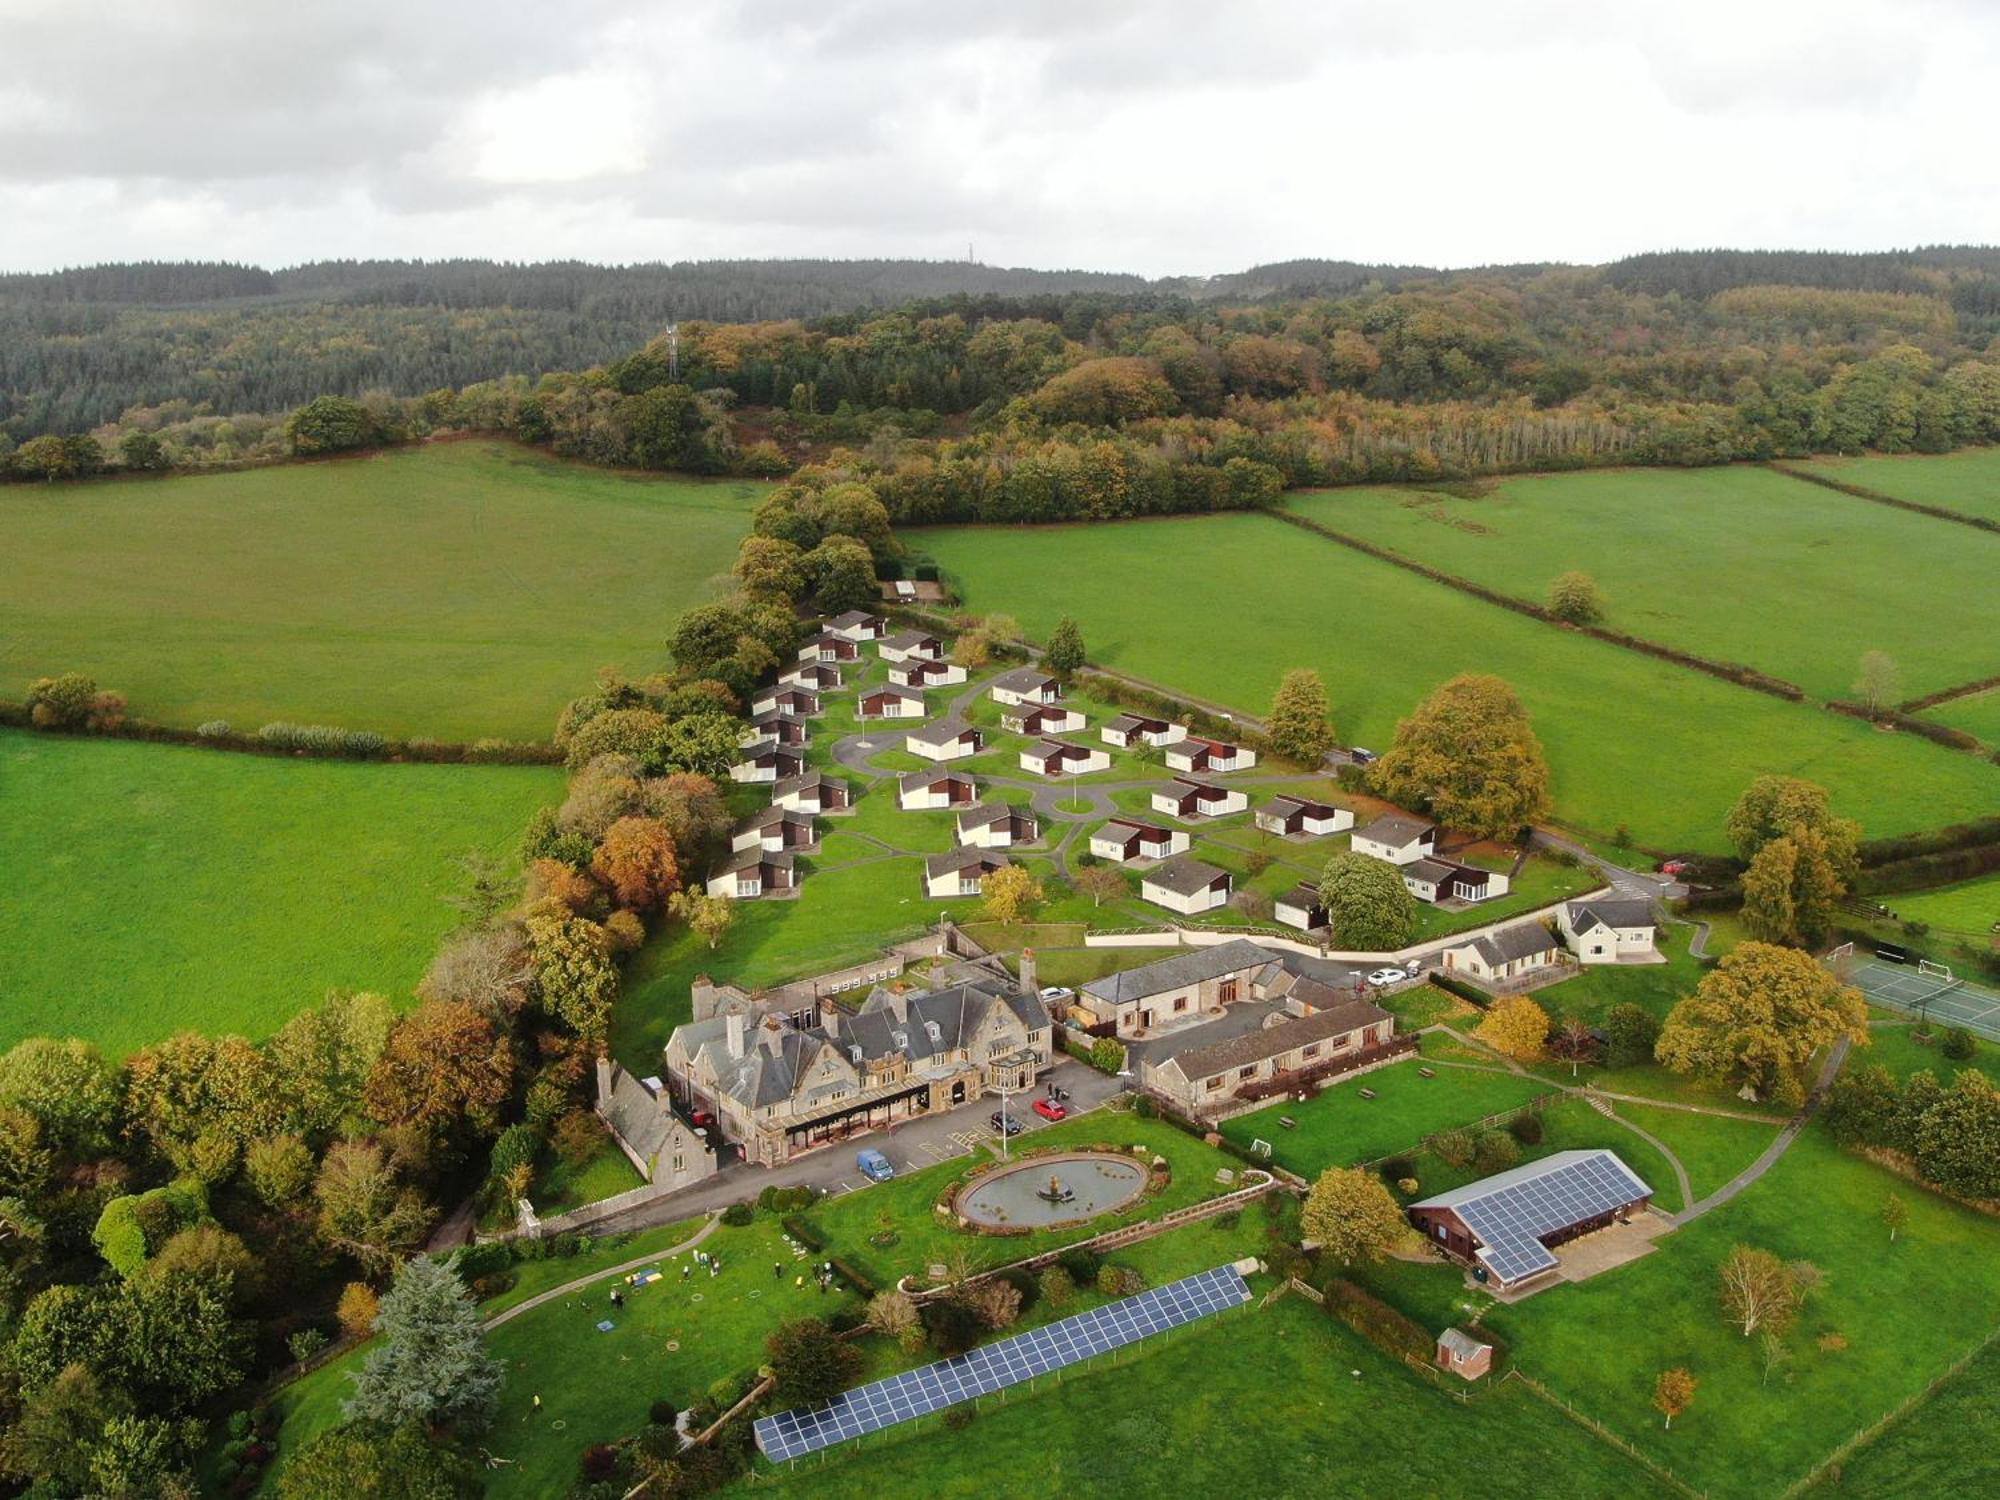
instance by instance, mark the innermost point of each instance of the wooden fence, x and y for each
(1589, 1423)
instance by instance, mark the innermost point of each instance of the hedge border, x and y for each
(421, 751)
(1861, 492)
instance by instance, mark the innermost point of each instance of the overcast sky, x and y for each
(1160, 136)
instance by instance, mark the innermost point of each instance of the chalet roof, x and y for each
(1184, 876)
(1125, 830)
(1023, 680)
(1136, 723)
(1274, 1041)
(1397, 830)
(947, 732)
(1612, 911)
(849, 619)
(905, 640)
(1304, 894)
(1522, 940)
(775, 817)
(1431, 871)
(804, 782)
(900, 694)
(983, 860)
(988, 814)
(756, 859)
(1286, 806)
(917, 781)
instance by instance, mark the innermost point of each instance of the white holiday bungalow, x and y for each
(1300, 907)
(1396, 838)
(1438, 880)
(774, 728)
(857, 625)
(813, 792)
(910, 644)
(798, 702)
(834, 650)
(817, 677)
(1296, 817)
(996, 825)
(1130, 730)
(1188, 799)
(1210, 757)
(920, 791)
(1124, 840)
(1040, 719)
(1186, 885)
(1024, 685)
(776, 830)
(1507, 954)
(922, 672)
(1060, 758)
(947, 741)
(890, 703)
(752, 874)
(960, 873)
(770, 763)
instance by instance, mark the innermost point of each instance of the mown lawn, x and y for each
(1944, 1447)
(1971, 908)
(1712, 1148)
(451, 591)
(1813, 578)
(558, 1186)
(1631, 740)
(1905, 1310)
(1337, 1127)
(152, 888)
(1252, 1404)
(1967, 481)
(1894, 1045)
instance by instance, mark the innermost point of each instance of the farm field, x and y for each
(1943, 1447)
(452, 592)
(152, 888)
(1968, 480)
(1977, 714)
(1738, 564)
(1630, 739)
(1131, 1429)
(1905, 1311)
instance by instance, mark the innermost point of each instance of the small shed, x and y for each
(1463, 1355)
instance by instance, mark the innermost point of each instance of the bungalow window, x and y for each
(1249, 1072)
(1214, 1083)
(1311, 1050)
(1180, 1004)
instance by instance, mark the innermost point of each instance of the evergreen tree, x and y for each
(433, 1367)
(1065, 654)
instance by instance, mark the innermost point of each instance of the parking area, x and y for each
(1943, 1001)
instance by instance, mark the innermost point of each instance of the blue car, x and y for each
(874, 1165)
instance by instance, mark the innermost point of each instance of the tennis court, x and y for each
(1915, 991)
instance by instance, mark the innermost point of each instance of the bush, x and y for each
(951, 1326)
(1144, 1107)
(578, 1136)
(600, 1462)
(238, 1425)
(1081, 1263)
(1120, 1281)
(848, 1272)
(660, 1441)
(738, 1214)
(1496, 1151)
(1396, 1168)
(483, 1259)
(1958, 1044)
(563, 1246)
(302, 1346)
(1455, 1148)
(803, 1232)
(1527, 1129)
(213, 729)
(958, 1418)
(322, 739)
(1058, 1288)
(1376, 1321)
(1107, 1055)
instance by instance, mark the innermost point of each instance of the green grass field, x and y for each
(1893, 1045)
(1970, 908)
(1631, 739)
(152, 889)
(453, 591)
(1967, 481)
(1711, 1148)
(1812, 578)
(1906, 1311)
(1944, 1447)
(1977, 715)
(1250, 1404)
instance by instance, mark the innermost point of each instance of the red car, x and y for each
(1048, 1109)
(701, 1119)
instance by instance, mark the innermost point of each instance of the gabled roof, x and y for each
(848, 619)
(1511, 1212)
(1431, 871)
(1522, 940)
(984, 860)
(1612, 911)
(637, 1116)
(1023, 680)
(1461, 1345)
(1124, 830)
(756, 859)
(945, 733)
(903, 640)
(1395, 829)
(1193, 966)
(917, 781)
(775, 817)
(1274, 1041)
(804, 782)
(987, 814)
(1135, 723)
(1183, 875)
(1305, 894)
(1285, 807)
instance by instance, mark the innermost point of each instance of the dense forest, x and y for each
(1032, 396)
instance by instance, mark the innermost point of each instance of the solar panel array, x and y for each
(900, 1398)
(1511, 1220)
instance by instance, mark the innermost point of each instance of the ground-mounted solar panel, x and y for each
(916, 1393)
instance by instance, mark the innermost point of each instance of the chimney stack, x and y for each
(603, 1082)
(1028, 987)
(734, 1032)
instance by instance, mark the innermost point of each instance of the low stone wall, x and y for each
(531, 1226)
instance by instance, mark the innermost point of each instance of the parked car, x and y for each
(1048, 1109)
(1054, 992)
(1361, 756)
(1387, 976)
(1006, 1124)
(874, 1165)
(701, 1119)
(1676, 866)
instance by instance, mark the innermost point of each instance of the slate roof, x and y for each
(1285, 807)
(757, 859)
(802, 783)
(1124, 830)
(1612, 911)
(916, 781)
(1304, 894)
(963, 859)
(1394, 829)
(1189, 967)
(944, 733)
(849, 619)
(990, 813)
(1273, 1041)
(905, 640)
(1023, 680)
(774, 817)
(1522, 940)
(1135, 723)
(637, 1116)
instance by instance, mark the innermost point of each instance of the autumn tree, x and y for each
(279, 1170)
(893, 1314)
(1759, 1291)
(324, 1056)
(812, 1363)
(356, 1309)
(1757, 1018)
(1515, 1025)
(446, 1067)
(708, 917)
(1673, 1393)
(841, 573)
(1879, 682)
(1101, 883)
(1468, 757)
(1010, 893)
(1792, 890)
(492, 968)
(1576, 599)
(1774, 807)
(637, 864)
(692, 807)
(1065, 653)
(573, 970)
(68, 1086)
(364, 1211)
(1368, 908)
(393, 1464)
(770, 568)
(1351, 1215)
(197, 1101)
(1300, 726)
